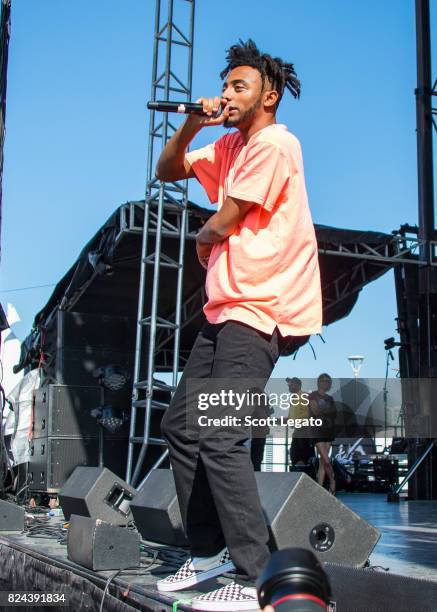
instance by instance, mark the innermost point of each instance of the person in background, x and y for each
(302, 446)
(260, 432)
(322, 406)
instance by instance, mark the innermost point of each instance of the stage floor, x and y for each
(408, 546)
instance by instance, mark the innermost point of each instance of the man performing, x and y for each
(263, 289)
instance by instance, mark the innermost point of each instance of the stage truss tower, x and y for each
(171, 80)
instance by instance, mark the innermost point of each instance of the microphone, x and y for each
(185, 108)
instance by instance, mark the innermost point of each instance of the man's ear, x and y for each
(271, 98)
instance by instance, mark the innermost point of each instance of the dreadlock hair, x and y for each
(280, 74)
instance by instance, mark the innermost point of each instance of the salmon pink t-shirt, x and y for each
(265, 274)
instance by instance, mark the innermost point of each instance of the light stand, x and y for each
(389, 344)
(355, 361)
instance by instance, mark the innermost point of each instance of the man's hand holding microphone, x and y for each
(171, 165)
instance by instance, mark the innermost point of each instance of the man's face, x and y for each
(294, 386)
(242, 94)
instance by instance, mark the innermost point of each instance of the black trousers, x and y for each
(257, 446)
(301, 449)
(214, 476)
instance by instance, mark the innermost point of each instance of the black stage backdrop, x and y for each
(105, 278)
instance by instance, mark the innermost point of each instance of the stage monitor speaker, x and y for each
(364, 590)
(155, 510)
(99, 546)
(301, 513)
(298, 513)
(97, 493)
(11, 517)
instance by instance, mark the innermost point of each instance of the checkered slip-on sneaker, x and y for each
(197, 570)
(232, 597)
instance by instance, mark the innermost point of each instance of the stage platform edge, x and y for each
(42, 565)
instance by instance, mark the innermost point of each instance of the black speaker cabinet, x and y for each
(155, 510)
(297, 510)
(80, 342)
(98, 545)
(95, 329)
(301, 513)
(97, 493)
(65, 410)
(53, 460)
(11, 517)
(76, 366)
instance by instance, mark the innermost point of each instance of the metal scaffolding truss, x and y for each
(400, 249)
(131, 220)
(171, 76)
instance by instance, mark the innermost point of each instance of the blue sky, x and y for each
(76, 145)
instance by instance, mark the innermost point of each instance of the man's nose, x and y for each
(225, 96)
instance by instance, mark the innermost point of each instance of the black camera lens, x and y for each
(294, 581)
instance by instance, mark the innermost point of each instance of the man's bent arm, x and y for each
(224, 222)
(172, 165)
